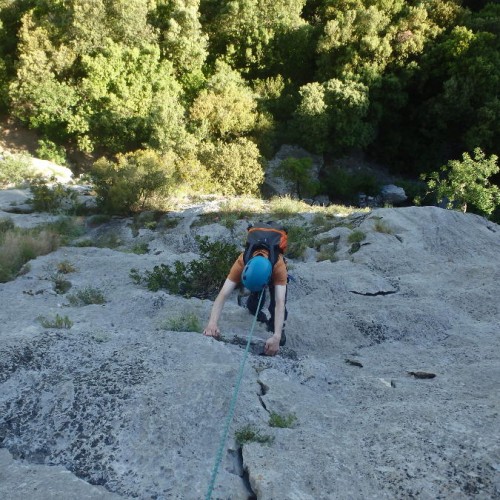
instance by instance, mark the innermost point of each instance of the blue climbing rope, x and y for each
(232, 407)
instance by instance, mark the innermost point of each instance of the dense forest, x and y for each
(214, 87)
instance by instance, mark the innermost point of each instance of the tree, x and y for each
(236, 168)
(182, 40)
(298, 171)
(242, 31)
(467, 182)
(332, 116)
(226, 107)
(130, 182)
(39, 96)
(310, 123)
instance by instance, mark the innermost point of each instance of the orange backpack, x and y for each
(267, 236)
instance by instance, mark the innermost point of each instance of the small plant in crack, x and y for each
(86, 296)
(250, 434)
(382, 227)
(185, 322)
(61, 285)
(65, 267)
(57, 322)
(356, 236)
(282, 421)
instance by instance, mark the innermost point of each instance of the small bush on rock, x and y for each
(55, 198)
(57, 322)
(128, 183)
(299, 239)
(199, 278)
(48, 150)
(87, 296)
(282, 421)
(356, 236)
(249, 434)
(186, 322)
(15, 169)
(18, 246)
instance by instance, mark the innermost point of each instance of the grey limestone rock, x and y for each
(131, 409)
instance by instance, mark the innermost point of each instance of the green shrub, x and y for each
(467, 183)
(18, 246)
(200, 278)
(327, 253)
(6, 224)
(57, 197)
(57, 322)
(284, 207)
(87, 296)
(298, 171)
(65, 267)
(342, 185)
(130, 182)
(140, 248)
(282, 421)
(249, 434)
(186, 322)
(48, 150)
(299, 239)
(14, 169)
(66, 227)
(356, 236)
(98, 219)
(236, 167)
(61, 285)
(382, 227)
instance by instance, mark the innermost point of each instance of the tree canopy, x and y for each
(410, 83)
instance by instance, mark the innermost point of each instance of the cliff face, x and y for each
(135, 410)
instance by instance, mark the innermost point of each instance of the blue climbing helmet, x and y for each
(257, 273)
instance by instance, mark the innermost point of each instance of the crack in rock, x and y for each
(374, 294)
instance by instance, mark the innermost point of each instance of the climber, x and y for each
(262, 264)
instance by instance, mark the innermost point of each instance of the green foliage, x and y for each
(186, 322)
(332, 116)
(467, 183)
(282, 421)
(356, 236)
(226, 108)
(342, 185)
(129, 182)
(250, 434)
(413, 82)
(86, 296)
(245, 33)
(182, 40)
(52, 198)
(199, 278)
(140, 248)
(57, 322)
(299, 239)
(298, 171)
(15, 169)
(311, 122)
(235, 167)
(66, 227)
(61, 285)
(286, 207)
(18, 246)
(382, 227)
(48, 150)
(6, 224)
(134, 99)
